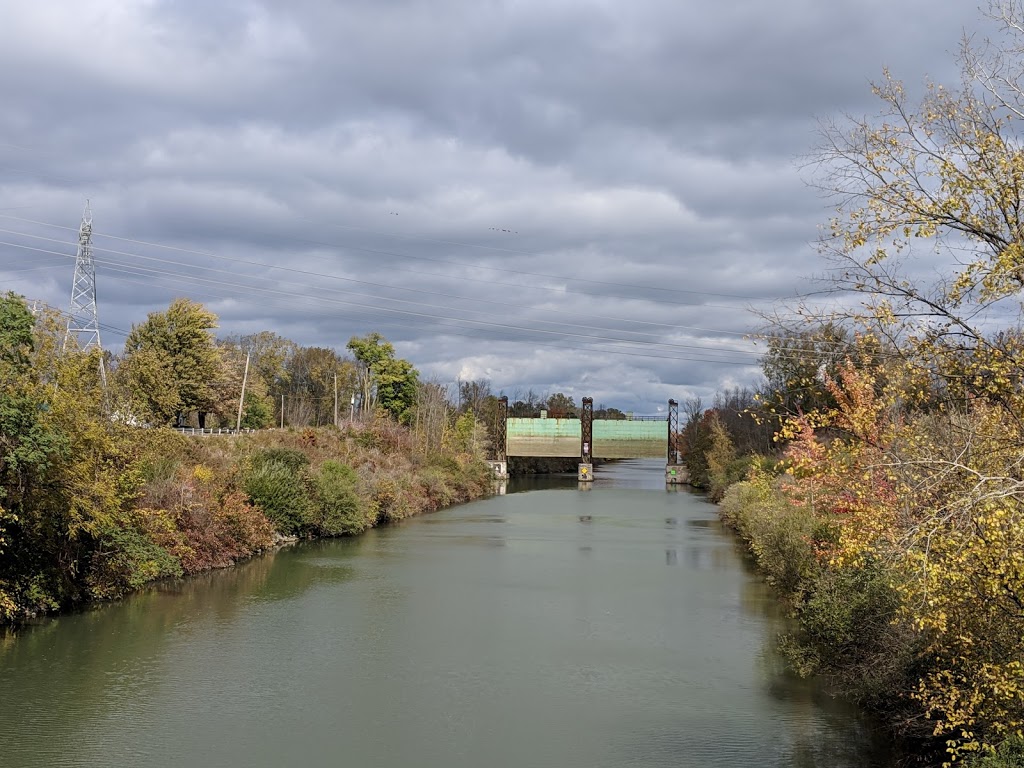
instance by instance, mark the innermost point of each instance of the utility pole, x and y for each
(241, 399)
(335, 398)
(83, 319)
(282, 410)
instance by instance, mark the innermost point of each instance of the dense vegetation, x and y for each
(98, 496)
(889, 510)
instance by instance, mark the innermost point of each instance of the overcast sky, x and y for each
(563, 195)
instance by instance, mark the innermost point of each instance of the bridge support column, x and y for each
(676, 472)
(586, 469)
(501, 430)
(500, 464)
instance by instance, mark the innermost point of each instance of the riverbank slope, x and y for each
(854, 628)
(166, 505)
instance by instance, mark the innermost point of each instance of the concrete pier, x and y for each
(677, 474)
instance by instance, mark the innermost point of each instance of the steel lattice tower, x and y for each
(83, 320)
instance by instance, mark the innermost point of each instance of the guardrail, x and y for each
(219, 431)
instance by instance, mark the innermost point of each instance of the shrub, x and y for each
(127, 556)
(276, 484)
(847, 617)
(8, 606)
(291, 458)
(393, 499)
(729, 474)
(436, 488)
(340, 511)
(1010, 754)
(242, 528)
(215, 534)
(849, 632)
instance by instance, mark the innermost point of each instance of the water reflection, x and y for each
(527, 483)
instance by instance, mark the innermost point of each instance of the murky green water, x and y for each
(553, 627)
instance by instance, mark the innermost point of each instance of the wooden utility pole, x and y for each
(282, 410)
(241, 399)
(335, 398)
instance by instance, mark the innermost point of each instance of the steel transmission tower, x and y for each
(83, 321)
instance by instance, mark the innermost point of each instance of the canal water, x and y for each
(551, 626)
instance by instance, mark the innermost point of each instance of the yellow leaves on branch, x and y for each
(919, 463)
(943, 167)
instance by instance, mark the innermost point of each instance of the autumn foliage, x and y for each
(892, 512)
(94, 505)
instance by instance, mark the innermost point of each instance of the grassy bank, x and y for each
(96, 499)
(189, 504)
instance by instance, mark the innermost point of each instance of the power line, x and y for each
(311, 273)
(449, 331)
(426, 315)
(37, 268)
(378, 308)
(247, 290)
(524, 329)
(463, 265)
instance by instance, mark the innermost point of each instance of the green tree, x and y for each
(469, 435)
(609, 413)
(270, 355)
(384, 380)
(171, 362)
(26, 443)
(720, 456)
(257, 413)
(65, 471)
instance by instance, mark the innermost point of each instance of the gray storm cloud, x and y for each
(557, 196)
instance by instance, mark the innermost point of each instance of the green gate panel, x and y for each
(630, 439)
(612, 439)
(543, 437)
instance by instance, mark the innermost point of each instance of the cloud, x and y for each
(565, 196)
